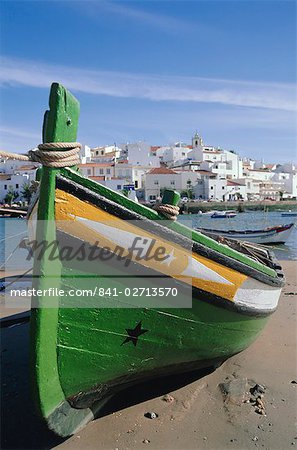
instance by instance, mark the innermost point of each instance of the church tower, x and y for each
(197, 141)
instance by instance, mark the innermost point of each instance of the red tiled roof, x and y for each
(155, 148)
(233, 183)
(99, 178)
(106, 155)
(26, 168)
(206, 172)
(259, 170)
(209, 151)
(96, 165)
(5, 177)
(161, 171)
(269, 166)
(183, 169)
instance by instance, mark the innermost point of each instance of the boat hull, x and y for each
(96, 359)
(275, 235)
(84, 351)
(222, 216)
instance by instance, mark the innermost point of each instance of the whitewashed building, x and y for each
(15, 175)
(133, 174)
(289, 183)
(252, 189)
(15, 183)
(96, 169)
(176, 154)
(161, 178)
(258, 174)
(126, 173)
(108, 150)
(85, 154)
(227, 164)
(139, 154)
(269, 190)
(219, 189)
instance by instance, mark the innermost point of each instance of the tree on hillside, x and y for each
(189, 189)
(26, 192)
(281, 195)
(11, 195)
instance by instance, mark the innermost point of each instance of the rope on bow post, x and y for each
(52, 154)
(169, 211)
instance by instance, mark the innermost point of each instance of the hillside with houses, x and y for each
(142, 172)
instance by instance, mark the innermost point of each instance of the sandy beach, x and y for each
(195, 413)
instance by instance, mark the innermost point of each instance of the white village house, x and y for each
(15, 176)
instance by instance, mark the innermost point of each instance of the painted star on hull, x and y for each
(133, 334)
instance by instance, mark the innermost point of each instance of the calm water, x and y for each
(12, 231)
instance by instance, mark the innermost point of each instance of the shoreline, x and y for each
(194, 207)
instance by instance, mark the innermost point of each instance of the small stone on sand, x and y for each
(168, 398)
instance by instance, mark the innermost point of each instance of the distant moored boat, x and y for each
(269, 235)
(289, 214)
(223, 215)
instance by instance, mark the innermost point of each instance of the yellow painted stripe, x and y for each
(70, 210)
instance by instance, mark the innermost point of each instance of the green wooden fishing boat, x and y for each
(85, 348)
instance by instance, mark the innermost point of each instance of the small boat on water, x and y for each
(208, 213)
(270, 235)
(223, 215)
(289, 214)
(192, 304)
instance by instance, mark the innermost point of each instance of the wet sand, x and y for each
(195, 415)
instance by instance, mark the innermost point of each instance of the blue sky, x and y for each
(154, 70)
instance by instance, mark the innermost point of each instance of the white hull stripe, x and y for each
(125, 239)
(196, 269)
(256, 295)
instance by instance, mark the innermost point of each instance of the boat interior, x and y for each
(255, 251)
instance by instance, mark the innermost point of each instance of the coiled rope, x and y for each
(169, 211)
(51, 154)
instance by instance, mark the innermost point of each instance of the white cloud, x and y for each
(281, 96)
(15, 139)
(136, 16)
(18, 132)
(163, 21)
